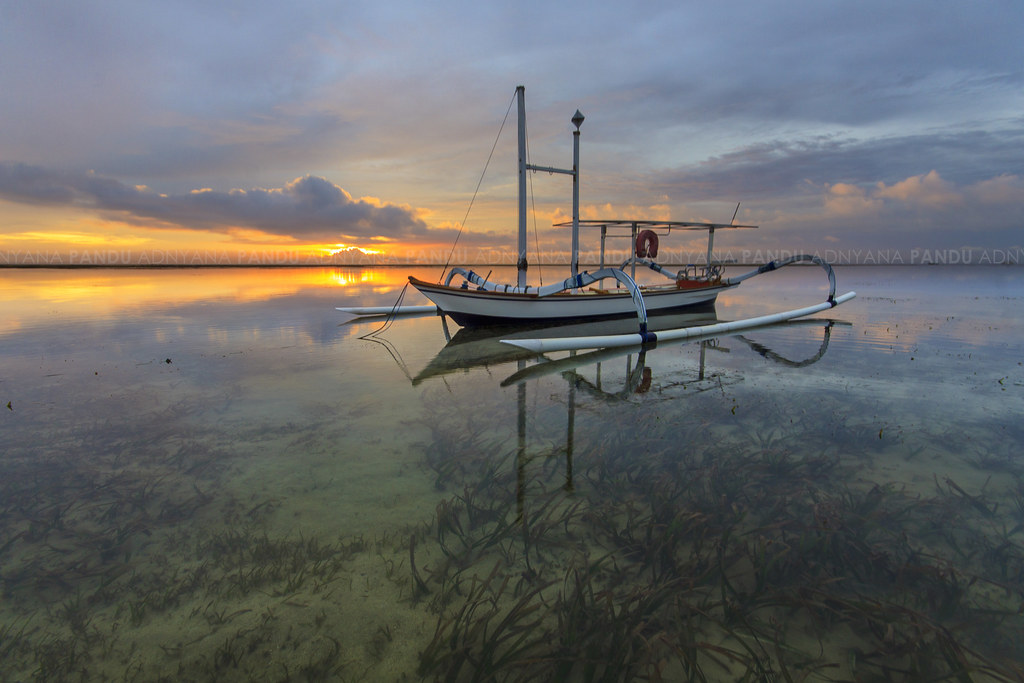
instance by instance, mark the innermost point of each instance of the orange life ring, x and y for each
(647, 244)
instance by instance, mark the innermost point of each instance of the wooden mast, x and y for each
(521, 264)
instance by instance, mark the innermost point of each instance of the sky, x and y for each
(258, 131)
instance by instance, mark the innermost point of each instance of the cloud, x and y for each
(779, 167)
(845, 199)
(309, 209)
(929, 190)
(924, 209)
(1004, 189)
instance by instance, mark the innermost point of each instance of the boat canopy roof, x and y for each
(652, 225)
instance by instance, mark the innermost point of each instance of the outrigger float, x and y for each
(476, 301)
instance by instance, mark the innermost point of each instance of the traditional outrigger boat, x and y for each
(477, 301)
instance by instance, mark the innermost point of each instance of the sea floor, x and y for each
(213, 476)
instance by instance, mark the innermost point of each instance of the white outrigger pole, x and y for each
(645, 338)
(641, 339)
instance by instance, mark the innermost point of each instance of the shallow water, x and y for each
(212, 474)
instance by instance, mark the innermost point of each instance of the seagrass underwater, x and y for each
(212, 474)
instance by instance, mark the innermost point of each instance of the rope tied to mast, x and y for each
(390, 318)
(479, 182)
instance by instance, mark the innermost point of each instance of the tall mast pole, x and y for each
(711, 246)
(521, 264)
(577, 120)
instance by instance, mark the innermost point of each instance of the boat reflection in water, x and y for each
(473, 347)
(481, 347)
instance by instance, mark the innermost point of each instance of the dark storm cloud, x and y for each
(308, 208)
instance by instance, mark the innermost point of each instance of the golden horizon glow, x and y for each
(349, 248)
(110, 293)
(74, 238)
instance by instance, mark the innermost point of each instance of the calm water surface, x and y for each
(213, 475)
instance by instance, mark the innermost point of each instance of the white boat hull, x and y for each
(471, 306)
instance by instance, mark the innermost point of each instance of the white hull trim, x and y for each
(479, 305)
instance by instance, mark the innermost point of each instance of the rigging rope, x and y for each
(391, 316)
(533, 210)
(477, 190)
(374, 336)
